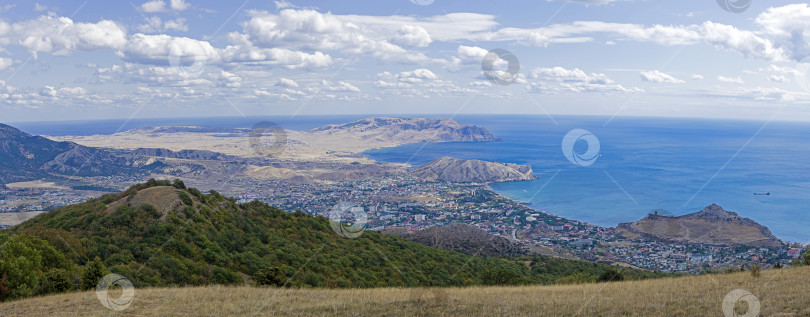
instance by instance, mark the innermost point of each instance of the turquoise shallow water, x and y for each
(679, 165)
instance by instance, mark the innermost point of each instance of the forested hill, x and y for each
(164, 234)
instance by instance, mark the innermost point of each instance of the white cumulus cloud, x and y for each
(656, 76)
(731, 80)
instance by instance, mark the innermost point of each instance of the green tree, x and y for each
(185, 198)
(271, 276)
(56, 281)
(4, 288)
(23, 259)
(611, 275)
(93, 273)
(500, 276)
(577, 278)
(178, 184)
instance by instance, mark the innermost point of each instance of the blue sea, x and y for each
(643, 164)
(676, 165)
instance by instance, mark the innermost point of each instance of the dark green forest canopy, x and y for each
(210, 239)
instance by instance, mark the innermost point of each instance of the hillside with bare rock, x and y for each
(461, 237)
(407, 130)
(712, 225)
(455, 170)
(335, 142)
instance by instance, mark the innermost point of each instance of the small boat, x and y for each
(763, 194)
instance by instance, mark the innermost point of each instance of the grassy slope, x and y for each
(214, 241)
(780, 292)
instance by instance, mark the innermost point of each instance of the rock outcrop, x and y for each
(713, 225)
(472, 171)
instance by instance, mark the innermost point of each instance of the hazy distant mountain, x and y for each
(712, 225)
(465, 171)
(409, 130)
(26, 157)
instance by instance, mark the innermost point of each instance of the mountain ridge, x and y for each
(415, 129)
(712, 225)
(457, 170)
(27, 157)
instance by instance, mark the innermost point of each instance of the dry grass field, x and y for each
(783, 292)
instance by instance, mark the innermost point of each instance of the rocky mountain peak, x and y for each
(711, 225)
(465, 171)
(714, 212)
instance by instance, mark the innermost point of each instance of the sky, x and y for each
(78, 60)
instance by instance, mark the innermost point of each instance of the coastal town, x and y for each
(415, 204)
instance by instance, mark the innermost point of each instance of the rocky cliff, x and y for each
(712, 225)
(467, 171)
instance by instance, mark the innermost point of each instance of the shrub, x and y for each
(150, 210)
(221, 275)
(611, 275)
(271, 276)
(4, 289)
(178, 184)
(577, 278)
(185, 198)
(755, 271)
(500, 277)
(93, 273)
(195, 192)
(56, 281)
